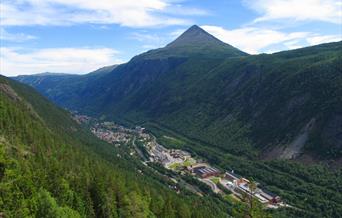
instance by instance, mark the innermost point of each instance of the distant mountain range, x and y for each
(286, 105)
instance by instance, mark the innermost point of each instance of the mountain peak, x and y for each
(195, 35)
(194, 42)
(195, 28)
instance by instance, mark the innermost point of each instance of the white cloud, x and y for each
(150, 41)
(317, 39)
(146, 37)
(16, 61)
(153, 41)
(257, 40)
(298, 10)
(176, 33)
(14, 37)
(149, 47)
(251, 39)
(132, 13)
(181, 10)
(294, 44)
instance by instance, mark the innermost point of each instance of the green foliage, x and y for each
(244, 211)
(46, 207)
(50, 167)
(313, 190)
(171, 142)
(241, 104)
(221, 104)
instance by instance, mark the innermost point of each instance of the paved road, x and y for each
(211, 184)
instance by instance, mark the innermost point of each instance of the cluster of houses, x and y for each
(81, 118)
(167, 157)
(110, 136)
(238, 185)
(113, 133)
(176, 153)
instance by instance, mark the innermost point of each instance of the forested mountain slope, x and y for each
(280, 105)
(50, 167)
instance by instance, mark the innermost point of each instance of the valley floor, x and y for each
(184, 166)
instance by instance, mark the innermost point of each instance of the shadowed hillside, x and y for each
(250, 105)
(51, 167)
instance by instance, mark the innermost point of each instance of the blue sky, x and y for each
(79, 36)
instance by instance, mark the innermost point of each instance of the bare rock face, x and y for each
(7, 90)
(294, 149)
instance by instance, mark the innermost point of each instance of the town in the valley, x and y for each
(181, 162)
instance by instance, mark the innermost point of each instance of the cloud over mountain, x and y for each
(145, 13)
(15, 61)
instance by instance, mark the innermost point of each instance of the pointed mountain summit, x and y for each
(195, 36)
(195, 42)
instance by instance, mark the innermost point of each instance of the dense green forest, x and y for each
(46, 175)
(50, 167)
(313, 190)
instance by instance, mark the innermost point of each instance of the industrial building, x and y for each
(205, 172)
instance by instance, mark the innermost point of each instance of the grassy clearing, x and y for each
(231, 198)
(175, 166)
(172, 142)
(189, 162)
(215, 180)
